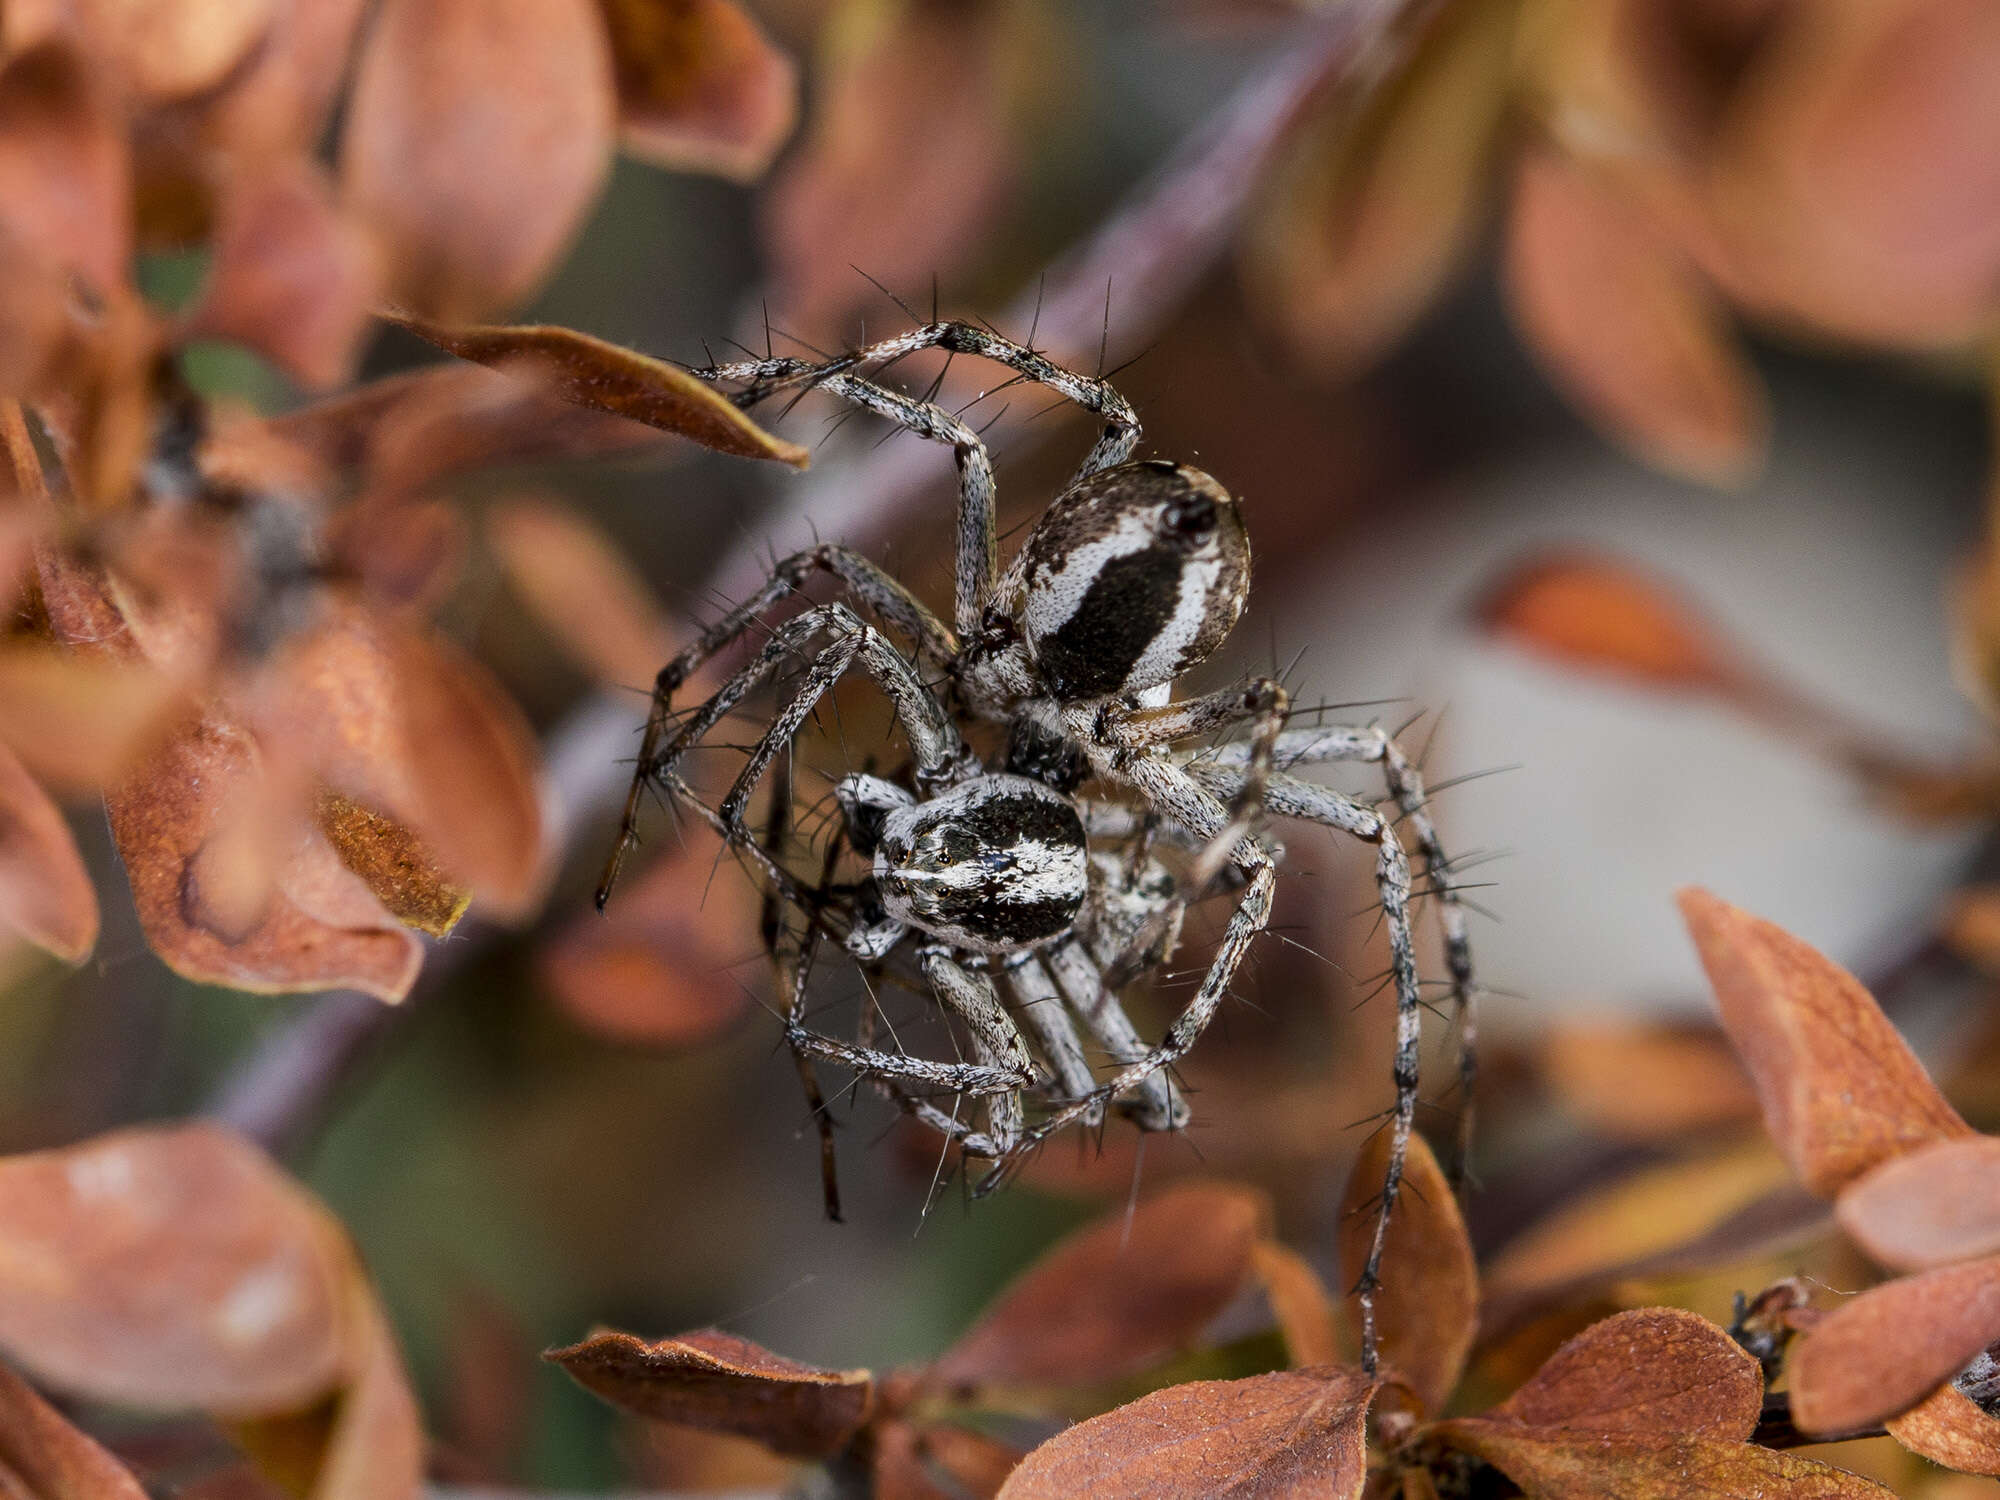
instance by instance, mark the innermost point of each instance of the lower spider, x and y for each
(1134, 575)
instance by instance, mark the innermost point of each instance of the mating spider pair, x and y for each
(1002, 880)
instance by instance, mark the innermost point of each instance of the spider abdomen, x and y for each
(997, 864)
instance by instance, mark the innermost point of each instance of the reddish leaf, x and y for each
(291, 276)
(1652, 1372)
(658, 968)
(1938, 1204)
(45, 892)
(577, 584)
(715, 1380)
(699, 86)
(1427, 1309)
(1365, 220)
(65, 180)
(1880, 1353)
(937, 1463)
(49, 1459)
(1576, 1466)
(1622, 320)
(479, 133)
(169, 49)
(592, 373)
(1840, 1090)
(1949, 1429)
(1647, 1083)
(1305, 1313)
(169, 1267)
(1294, 1433)
(1117, 1296)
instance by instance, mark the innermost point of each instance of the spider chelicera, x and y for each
(1136, 573)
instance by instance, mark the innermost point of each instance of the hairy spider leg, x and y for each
(1405, 782)
(996, 1040)
(1039, 1004)
(792, 939)
(1082, 982)
(971, 1141)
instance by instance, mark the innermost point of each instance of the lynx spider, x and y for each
(1135, 574)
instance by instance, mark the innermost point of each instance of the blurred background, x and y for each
(1373, 352)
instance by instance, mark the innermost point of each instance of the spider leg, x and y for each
(972, 1142)
(1039, 1003)
(1083, 986)
(793, 945)
(996, 1040)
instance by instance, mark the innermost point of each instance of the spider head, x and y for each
(996, 864)
(1133, 576)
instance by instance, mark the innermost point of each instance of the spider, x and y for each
(1134, 575)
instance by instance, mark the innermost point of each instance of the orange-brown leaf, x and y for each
(1652, 1372)
(479, 132)
(1573, 1466)
(1118, 1295)
(170, 49)
(48, 1458)
(1880, 1353)
(170, 1267)
(1295, 1433)
(1299, 1301)
(1949, 1429)
(718, 1381)
(1841, 1092)
(1605, 615)
(1624, 323)
(291, 276)
(65, 176)
(593, 373)
(581, 589)
(45, 892)
(394, 864)
(1938, 1204)
(700, 86)
(1647, 1083)
(1427, 1309)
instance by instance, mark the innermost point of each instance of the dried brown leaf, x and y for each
(1949, 1429)
(394, 864)
(78, 721)
(1118, 1295)
(479, 132)
(170, 49)
(1625, 324)
(573, 578)
(45, 892)
(1574, 1466)
(1427, 1309)
(715, 1380)
(169, 1267)
(1292, 1433)
(1970, 926)
(1647, 1083)
(42, 1457)
(1935, 1205)
(290, 276)
(1364, 221)
(700, 86)
(657, 968)
(1300, 1302)
(593, 373)
(1652, 1372)
(65, 175)
(1880, 1353)
(1841, 1092)
(937, 1463)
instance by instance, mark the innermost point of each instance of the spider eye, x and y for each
(1191, 515)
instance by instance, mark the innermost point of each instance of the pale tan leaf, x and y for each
(45, 892)
(170, 49)
(49, 1457)
(1302, 1306)
(1647, 1083)
(1935, 1205)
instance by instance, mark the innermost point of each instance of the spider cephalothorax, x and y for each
(1134, 574)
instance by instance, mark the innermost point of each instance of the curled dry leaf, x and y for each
(1294, 1433)
(1578, 1466)
(593, 373)
(582, 589)
(715, 1380)
(658, 968)
(1651, 1372)
(1427, 1309)
(1306, 1314)
(1117, 1296)
(700, 86)
(65, 175)
(1938, 1204)
(1841, 1092)
(1364, 221)
(1948, 1428)
(478, 134)
(1626, 325)
(1880, 1353)
(1647, 1083)
(42, 1457)
(169, 1267)
(291, 276)
(45, 892)
(1605, 615)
